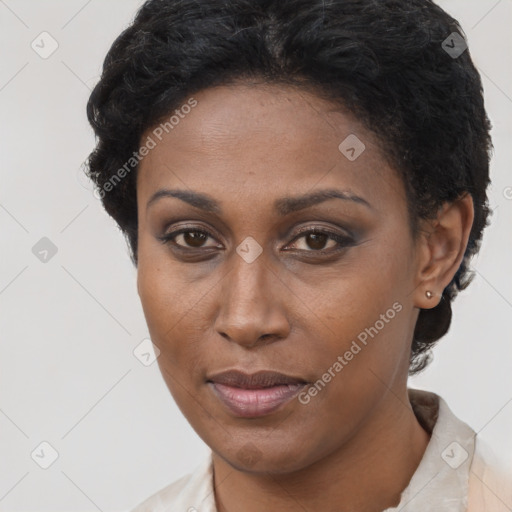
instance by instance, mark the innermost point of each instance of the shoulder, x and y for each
(490, 481)
(191, 492)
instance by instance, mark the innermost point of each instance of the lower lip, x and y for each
(251, 403)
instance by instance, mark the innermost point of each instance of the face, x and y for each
(234, 276)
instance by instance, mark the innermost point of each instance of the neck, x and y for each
(366, 474)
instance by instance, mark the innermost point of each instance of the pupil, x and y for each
(318, 239)
(194, 238)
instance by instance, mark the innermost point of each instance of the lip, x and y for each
(257, 394)
(262, 379)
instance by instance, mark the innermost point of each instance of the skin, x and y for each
(357, 443)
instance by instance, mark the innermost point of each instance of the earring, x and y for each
(429, 294)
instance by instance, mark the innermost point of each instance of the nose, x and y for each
(251, 302)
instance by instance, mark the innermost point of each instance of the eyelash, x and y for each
(342, 240)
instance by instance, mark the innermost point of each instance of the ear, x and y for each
(440, 249)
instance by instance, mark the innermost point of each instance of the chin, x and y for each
(265, 458)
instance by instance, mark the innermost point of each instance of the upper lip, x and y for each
(261, 379)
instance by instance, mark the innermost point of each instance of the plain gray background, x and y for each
(69, 326)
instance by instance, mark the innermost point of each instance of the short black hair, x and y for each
(401, 67)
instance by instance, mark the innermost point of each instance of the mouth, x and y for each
(253, 395)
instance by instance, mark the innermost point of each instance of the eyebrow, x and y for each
(283, 206)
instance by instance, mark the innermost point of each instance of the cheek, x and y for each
(173, 330)
(361, 353)
(175, 311)
(363, 311)
(163, 293)
(166, 309)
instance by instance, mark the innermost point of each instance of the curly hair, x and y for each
(384, 61)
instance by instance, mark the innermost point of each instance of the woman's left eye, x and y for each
(315, 239)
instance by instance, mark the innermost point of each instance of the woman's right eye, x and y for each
(192, 238)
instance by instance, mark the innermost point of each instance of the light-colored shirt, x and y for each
(457, 473)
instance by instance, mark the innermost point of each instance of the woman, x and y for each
(302, 185)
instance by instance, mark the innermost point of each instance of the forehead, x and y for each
(257, 142)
